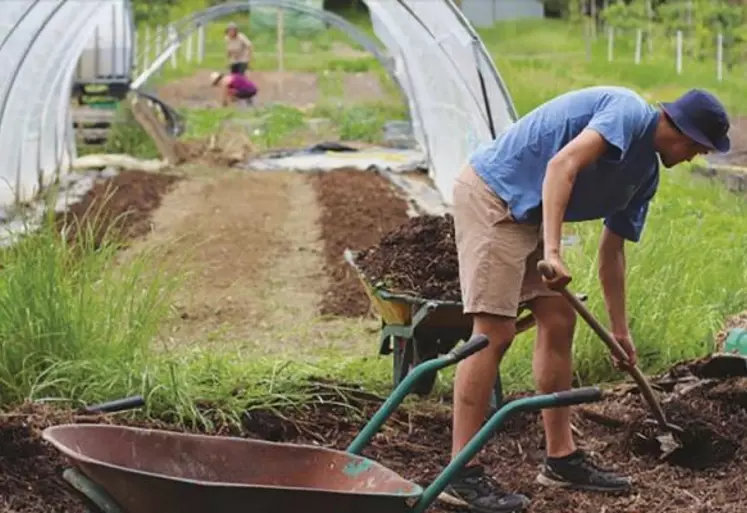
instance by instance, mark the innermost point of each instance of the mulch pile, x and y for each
(358, 208)
(416, 445)
(118, 207)
(418, 258)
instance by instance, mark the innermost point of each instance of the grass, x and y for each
(73, 322)
(80, 327)
(541, 59)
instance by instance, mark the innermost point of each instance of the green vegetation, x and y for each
(76, 325)
(541, 59)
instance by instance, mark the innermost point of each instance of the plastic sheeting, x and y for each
(40, 43)
(439, 60)
(295, 23)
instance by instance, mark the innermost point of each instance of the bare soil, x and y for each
(358, 208)
(118, 207)
(705, 476)
(299, 89)
(221, 230)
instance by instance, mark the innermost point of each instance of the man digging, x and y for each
(588, 154)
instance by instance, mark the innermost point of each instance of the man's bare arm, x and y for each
(612, 278)
(583, 150)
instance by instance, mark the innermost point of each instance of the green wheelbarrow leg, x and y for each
(537, 402)
(93, 492)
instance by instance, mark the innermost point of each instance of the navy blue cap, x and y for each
(700, 116)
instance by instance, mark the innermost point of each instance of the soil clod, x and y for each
(418, 258)
(700, 446)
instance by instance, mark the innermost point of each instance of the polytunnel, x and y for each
(40, 44)
(455, 95)
(454, 92)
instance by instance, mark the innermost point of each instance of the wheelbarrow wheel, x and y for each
(403, 359)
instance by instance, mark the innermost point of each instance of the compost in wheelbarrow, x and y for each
(132, 470)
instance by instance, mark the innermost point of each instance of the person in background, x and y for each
(238, 48)
(234, 86)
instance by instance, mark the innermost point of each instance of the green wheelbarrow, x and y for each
(416, 329)
(131, 470)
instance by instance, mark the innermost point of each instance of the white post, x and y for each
(146, 49)
(720, 57)
(172, 40)
(610, 43)
(135, 48)
(280, 28)
(188, 50)
(679, 52)
(201, 43)
(638, 44)
(159, 41)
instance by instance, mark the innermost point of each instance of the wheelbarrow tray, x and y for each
(155, 471)
(397, 308)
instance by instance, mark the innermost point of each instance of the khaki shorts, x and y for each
(497, 256)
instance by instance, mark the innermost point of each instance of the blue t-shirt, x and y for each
(616, 188)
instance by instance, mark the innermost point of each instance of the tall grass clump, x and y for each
(74, 322)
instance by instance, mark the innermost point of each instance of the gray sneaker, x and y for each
(576, 471)
(474, 490)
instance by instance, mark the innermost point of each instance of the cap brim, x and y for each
(722, 145)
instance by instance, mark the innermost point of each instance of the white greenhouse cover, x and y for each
(438, 57)
(40, 44)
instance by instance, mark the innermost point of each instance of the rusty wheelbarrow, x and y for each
(130, 470)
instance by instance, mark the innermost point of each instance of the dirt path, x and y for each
(248, 245)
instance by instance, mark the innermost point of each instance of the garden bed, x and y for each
(119, 206)
(358, 208)
(416, 444)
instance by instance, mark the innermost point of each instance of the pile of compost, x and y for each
(419, 258)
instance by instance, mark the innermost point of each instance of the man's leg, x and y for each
(475, 377)
(565, 465)
(552, 366)
(492, 251)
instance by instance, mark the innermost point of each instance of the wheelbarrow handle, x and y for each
(578, 396)
(547, 270)
(124, 404)
(475, 344)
